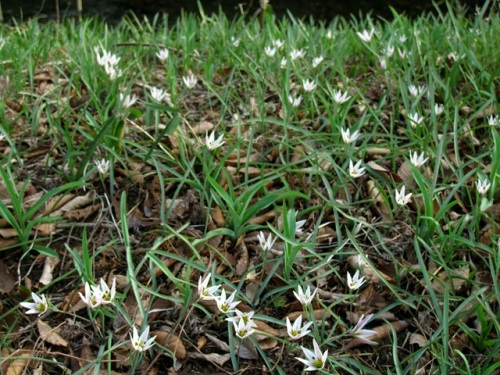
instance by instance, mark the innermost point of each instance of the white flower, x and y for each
(356, 170)
(298, 226)
(306, 297)
(93, 297)
(483, 186)
(294, 100)
(266, 245)
(417, 160)
(2, 136)
(204, 292)
(401, 198)
(317, 60)
(128, 100)
(278, 43)
(162, 54)
(389, 51)
(296, 331)
(226, 305)
(492, 120)
(366, 36)
(112, 72)
(416, 90)
(242, 329)
(102, 166)
(106, 294)
(453, 57)
(402, 53)
(190, 81)
(364, 334)
(159, 94)
(315, 360)
(329, 34)
(212, 143)
(283, 63)
(102, 60)
(340, 97)
(246, 317)
(308, 85)
(403, 38)
(270, 51)
(141, 343)
(438, 109)
(38, 306)
(415, 119)
(355, 282)
(347, 137)
(295, 54)
(235, 41)
(383, 63)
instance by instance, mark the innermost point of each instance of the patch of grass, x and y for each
(246, 177)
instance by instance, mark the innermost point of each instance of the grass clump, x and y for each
(250, 193)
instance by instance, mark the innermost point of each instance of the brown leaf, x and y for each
(218, 359)
(48, 334)
(16, 366)
(418, 339)
(172, 342)
(7, 282)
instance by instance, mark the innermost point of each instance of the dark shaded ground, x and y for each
(113, 10)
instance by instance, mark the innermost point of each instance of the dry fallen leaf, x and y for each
(7, 282)
(172, 342)
(48, 334)
(16, 366)
(48, 268)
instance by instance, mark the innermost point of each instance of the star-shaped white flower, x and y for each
(242, 329)
(270, 51)
(483, 186)
(266, 244)
(278, 43)
(141, 343)
(159, 94)
(308, 85)
(438, 109)
(205, 292)
(226, 305)
(364, 334)
(93, 296)
(366, 35)
(415, 119)
(355, 170)
(401, 198)
(162, 54)
(246, 317)
(417, 160)
(316, 61)
(283, 63)
(296, 53)
(294, 100)
(492, 120)
(339, 97)
(106, 294)
(128, 100)
(296, 331)
(355, 282)
(416, 90)
(38, 306)
(347, 137)
(190, 81)
(315, 360)
(306, 297)
(102, 166)
(212, 143)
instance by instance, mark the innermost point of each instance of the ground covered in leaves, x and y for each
(172, 207)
